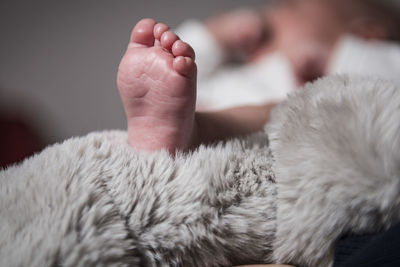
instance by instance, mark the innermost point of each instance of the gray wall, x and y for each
(59, 59)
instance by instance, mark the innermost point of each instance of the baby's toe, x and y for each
(168, 38)
(185, 66)
(180, 48)
(142, 33)
(159, 29)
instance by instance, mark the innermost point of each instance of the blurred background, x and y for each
(58, 65)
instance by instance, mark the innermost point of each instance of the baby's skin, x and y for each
(157, 84)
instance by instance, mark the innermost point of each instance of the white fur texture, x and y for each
(94, 201)
(336, 148)
(332, 167)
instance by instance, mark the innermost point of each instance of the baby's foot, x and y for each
(157, 84)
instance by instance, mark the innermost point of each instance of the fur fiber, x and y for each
(336, 148)
(327, 164)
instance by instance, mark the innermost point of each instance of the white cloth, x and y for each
(368, 58)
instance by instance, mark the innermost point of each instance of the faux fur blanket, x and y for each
(327, 164)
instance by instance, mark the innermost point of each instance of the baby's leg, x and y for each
(157, 84)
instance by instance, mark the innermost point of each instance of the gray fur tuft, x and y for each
(336, 148)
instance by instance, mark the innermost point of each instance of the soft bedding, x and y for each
(327, 164)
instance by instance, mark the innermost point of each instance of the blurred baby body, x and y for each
(289, 58)
(222, 85)
(272, 77)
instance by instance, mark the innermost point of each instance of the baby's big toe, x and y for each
(142, 33)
